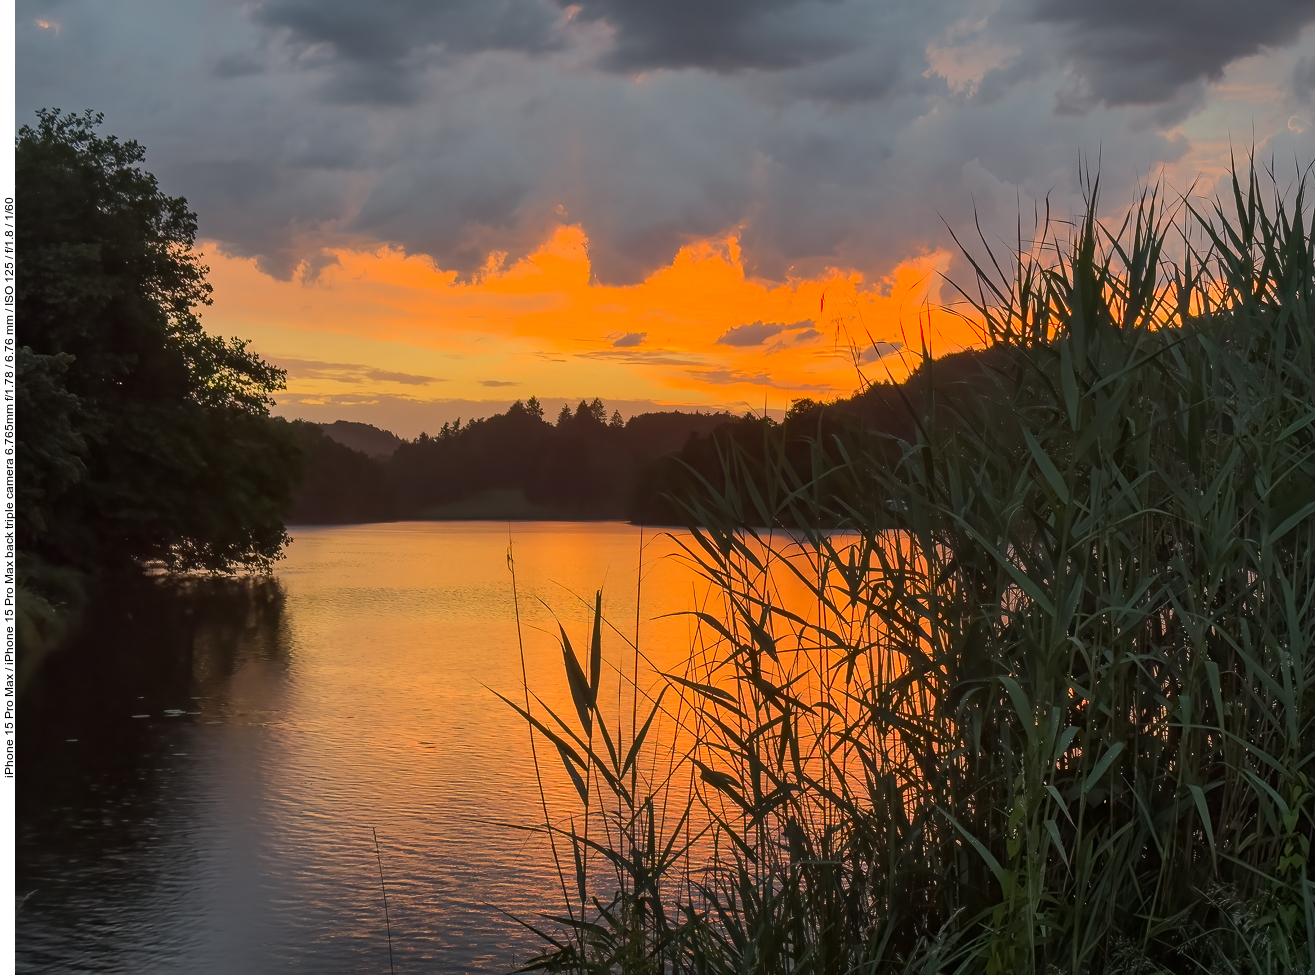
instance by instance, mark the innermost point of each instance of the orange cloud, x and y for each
(698, 330)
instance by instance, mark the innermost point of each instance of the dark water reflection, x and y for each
(113, 846)
(200, 772)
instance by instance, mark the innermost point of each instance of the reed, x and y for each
(1046, 705)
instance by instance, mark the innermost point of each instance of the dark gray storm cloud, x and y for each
(1303, 79)
(1144, 52)
(818, 133)
(379, 49)
(237, 65)
(721, 35)
(1121, 51)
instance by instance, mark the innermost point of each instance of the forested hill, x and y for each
(368, 439)
(513, 465)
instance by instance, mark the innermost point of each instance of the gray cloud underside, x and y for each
(1128, 51)
(346, 372)
(817, 131)
(1144, 53)
(756, 333)
(377, 52)
(1303, 79)
(727, 377)
(643, 357)
(726, 35)
(879, 350)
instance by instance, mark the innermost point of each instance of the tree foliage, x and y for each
(508, 465)
(142, 437)
(341, 484)
(584, 466)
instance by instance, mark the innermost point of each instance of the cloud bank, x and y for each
(819, 133)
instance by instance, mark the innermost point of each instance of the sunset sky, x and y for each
(425, 209)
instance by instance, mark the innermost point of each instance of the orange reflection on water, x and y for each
(400, 636)
(792, 700)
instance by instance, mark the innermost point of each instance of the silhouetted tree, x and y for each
(180, 461)
(592, 413)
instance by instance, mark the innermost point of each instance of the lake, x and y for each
(204, 773)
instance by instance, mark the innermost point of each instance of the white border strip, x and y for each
(8, 730)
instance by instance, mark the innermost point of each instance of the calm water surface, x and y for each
(203, 775)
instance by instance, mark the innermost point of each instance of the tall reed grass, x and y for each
(1046, 704)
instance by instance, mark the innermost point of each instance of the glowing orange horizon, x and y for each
(697, 330)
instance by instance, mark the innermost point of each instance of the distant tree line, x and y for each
(586, 465)
(655, 468)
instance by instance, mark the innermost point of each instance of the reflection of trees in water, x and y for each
(228, 621)
(105, 803)
(162, 636)
(196, 629)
